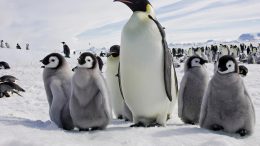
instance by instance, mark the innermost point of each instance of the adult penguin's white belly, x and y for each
(113, 85)
(142, 68)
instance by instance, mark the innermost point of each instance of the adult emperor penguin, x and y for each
(193, 86)
(226, 104)
(148, 78)
(57, 82)
(89, 104)
(119, 107)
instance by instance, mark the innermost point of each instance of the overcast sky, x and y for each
(46, 23)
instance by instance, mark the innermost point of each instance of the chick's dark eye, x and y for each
(88, 60)
(53, 60)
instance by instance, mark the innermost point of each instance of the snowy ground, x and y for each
(24, 121)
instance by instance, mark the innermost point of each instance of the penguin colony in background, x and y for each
(141, 80)
(214, 52)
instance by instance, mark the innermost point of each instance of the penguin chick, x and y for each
(89, 104)
(226, 104)
(57, 82)
(193, 86)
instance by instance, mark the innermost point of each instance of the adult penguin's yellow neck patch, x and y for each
(149, 8)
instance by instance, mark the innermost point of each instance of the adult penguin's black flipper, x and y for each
(168, 61)
(119, 81)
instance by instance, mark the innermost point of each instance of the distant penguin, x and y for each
(210, 56)
(119, 107)
(193, 86)
(9, 87)
(198, 51)
(254, 50)
(102, 54)
(203, 55)
(174, 52)
(214, 51)
(242, 48)
(57, 82)
(234, 52)
(27, 47)
(226, 104)
(4, 65)
(243, 58)
(223, 50)
(2, 44)
(89, 104)
(100, 63)
(251, 59)
(148, 78)
(176, 62)
(66, 50)
(18, 46)
(190, 52)
(248, 50)
(7, 45)
(8, 78)
(243, 70)
(215, 66)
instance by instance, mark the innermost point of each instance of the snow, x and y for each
(24, 121)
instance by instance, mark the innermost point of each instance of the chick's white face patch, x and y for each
(195, 62)
(53, 62)
(89, 63)
(230, 68)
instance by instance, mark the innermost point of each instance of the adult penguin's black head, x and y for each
(136, 5)
(227, 64)
(114, 51)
